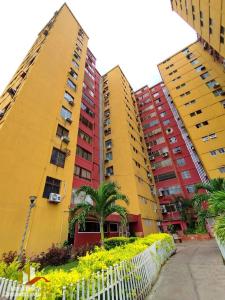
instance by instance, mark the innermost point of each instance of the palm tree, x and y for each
(217, 203)
(214, 194)
(214, 185)
(104, 204)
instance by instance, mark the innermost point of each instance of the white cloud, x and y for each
(135, 34)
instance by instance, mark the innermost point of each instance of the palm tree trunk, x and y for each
(102, 232)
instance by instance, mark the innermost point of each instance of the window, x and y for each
(163, 114)
(61, 131)
(195, 113)
(71, 84)
(73, 73)
(155, 95)
(208, 137)
(222, 103)
(109, 171)
(151, 124)
(84, 153)
(68, 97)
(52, 185)
(190, 188)
(194, 62)
(222, 169)
(85, 136)
(221, 39)
(165, 176)
(177, 150)
(108, 155)
(166, 122)
(221, 150)
(199, 125)
(86, 122)
(75, 64)
(181, 162)
(200, 68)
(173, 140)
(58, 158)
(76, 55)
(108, 144)
(89, 101)
(185, 174)
(90, 226)
(87, 109)
(211, 83)
(65, 113)
(113, 227)
(218, 92)
(190, 103)
(82, 173)
(204, 75)
(157, 101)
(173, 190)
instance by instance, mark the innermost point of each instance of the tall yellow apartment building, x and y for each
(207, 17)
(39, 115)
(125, 153)
(196, 82)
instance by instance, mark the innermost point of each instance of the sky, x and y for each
(136, 34)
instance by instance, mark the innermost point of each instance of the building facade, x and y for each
(39, 119)
(125, 155)
(171, 162)
(196, 83)
(208, 19)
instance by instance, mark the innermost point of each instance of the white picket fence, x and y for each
(129, 280)
(221, 247)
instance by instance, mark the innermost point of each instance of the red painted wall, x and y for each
(153, 112)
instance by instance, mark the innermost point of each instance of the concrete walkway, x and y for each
(196, 272)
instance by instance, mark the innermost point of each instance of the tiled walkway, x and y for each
(196, 272)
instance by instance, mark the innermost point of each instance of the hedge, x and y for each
(96, 261)
(118, 241)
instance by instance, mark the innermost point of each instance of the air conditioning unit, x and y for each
(165, 154)
(68, 119)
(2, 112)
(149, 147)
(149, 175)
(152, 158)
(71, 102)
(65, 139)
(202, 68)
(153, 168)
(109, 147)
(55, 198)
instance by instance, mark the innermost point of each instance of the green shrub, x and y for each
(219, 228)
(117, 241)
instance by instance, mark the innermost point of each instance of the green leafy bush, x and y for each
(219, 228)
(99, 260)
(117, 241)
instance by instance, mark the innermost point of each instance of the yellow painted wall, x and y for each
(28, 134)
(133, 180)
(211, 106)
(214, 9)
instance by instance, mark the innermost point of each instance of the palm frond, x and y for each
(121, 211)
(112, 199)
(217, 202)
